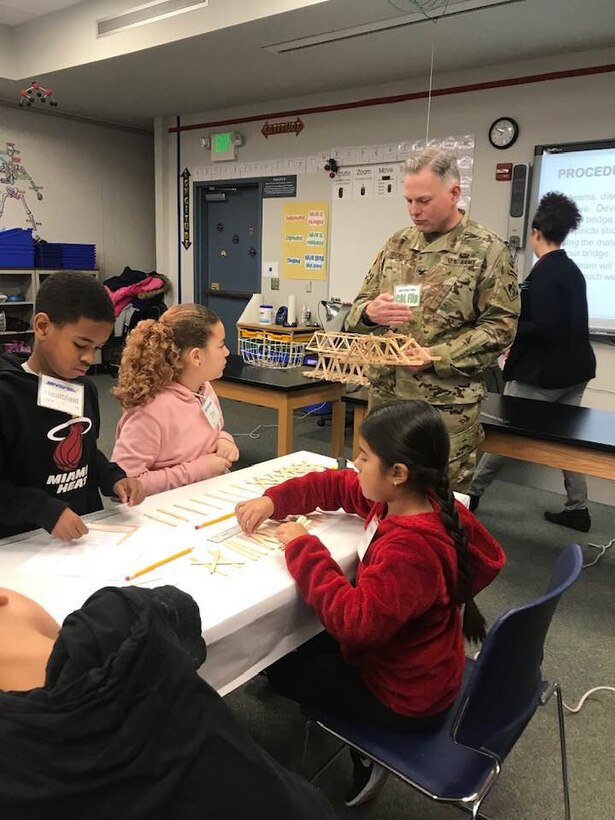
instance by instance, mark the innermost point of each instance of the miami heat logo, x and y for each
(67, 455)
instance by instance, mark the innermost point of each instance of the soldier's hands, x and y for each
(424, 354)
(384, 311)
(69, 526)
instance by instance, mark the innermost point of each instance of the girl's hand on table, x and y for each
(251, 514)
(288, 532)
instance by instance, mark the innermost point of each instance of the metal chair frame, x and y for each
(471, 803)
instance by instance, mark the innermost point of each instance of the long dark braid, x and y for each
(412, 432)
(474, 625)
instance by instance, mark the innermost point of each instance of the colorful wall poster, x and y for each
(305, 240)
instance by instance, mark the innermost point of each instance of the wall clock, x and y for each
(503, 132)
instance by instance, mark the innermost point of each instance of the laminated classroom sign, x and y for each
(305, 240)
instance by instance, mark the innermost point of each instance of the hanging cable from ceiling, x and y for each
(428, 8)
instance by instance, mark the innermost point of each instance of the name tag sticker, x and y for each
(368, 534)
(211, 413)
(408, 295)
(56, 394)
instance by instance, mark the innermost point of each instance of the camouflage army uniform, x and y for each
(467, 316)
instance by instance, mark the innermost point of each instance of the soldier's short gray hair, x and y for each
(442, 164)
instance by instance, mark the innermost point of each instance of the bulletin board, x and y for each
(305, 238)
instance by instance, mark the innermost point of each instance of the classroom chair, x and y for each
(459, 762)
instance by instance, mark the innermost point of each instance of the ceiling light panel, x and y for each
(147, 13)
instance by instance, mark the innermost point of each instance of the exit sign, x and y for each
(223, 146)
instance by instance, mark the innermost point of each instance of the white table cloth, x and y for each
(250, 618)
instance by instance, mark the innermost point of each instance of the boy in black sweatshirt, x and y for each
(107, 718)
(51, 469)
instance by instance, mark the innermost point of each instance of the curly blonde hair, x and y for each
(153, 355)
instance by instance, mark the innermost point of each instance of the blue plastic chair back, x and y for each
(506, 682)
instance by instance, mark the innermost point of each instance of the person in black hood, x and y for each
(51, 470)
(121, 725)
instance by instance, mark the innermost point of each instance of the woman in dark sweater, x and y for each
(551, 358)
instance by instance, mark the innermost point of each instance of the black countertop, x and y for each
(542, 420)
(549, 421)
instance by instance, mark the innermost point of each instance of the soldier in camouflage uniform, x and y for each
(468, 304)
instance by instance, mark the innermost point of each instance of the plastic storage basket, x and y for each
(269, 349)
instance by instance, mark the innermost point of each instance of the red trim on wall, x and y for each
(416, 95)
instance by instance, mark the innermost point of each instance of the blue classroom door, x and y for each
(229, 261)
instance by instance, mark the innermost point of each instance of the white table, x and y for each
(250, 618)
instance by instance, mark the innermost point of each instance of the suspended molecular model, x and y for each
(36, 93)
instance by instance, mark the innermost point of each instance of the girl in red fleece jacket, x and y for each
(393, 651)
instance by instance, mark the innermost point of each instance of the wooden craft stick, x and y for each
(217, 520)
(215, 557)
(230, 560)
(244, 551)
(173, 515)
(160, 563)
(225, 496)
(264, 536)
(205, 504)
(94, 525)
(127, 536)
(242, 491)
(269, 535)
(199, 562)
(160, 520)
(265, 482)
(266, 544)
(147, 581)
(213, 504)
(244, 554)
(259, 549)
(188, 508)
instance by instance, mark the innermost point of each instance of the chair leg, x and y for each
(306, 740)
(325, 766)
(476, 815)
(562, 743)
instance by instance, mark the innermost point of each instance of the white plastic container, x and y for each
(292, 310)
(265, 314)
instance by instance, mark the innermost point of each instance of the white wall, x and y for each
(98, 186)
(555, 111)
(6, 47)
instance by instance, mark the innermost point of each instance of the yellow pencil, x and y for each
(158, 564)
(214, 521)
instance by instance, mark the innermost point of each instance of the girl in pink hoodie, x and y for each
(171, 432)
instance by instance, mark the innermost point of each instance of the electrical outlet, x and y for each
(308, 286)
(275, 283)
